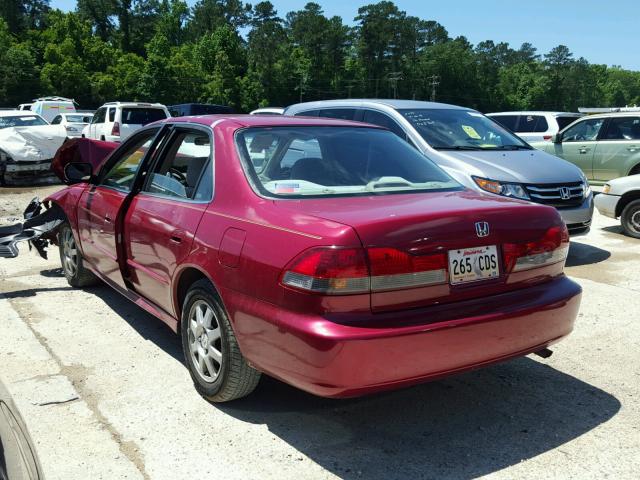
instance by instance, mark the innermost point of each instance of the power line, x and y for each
(435, 81)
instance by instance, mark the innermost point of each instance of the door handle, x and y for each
(632, 148)
(176, 236)
(584, 150)
(107, 219)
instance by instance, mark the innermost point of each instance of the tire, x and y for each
(218, 370)
(630, 219)
(75, 272)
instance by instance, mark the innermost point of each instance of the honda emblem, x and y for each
(565, 194)
(482, 229)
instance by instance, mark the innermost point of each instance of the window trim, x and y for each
(159, 158)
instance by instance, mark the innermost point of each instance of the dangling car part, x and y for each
(43, 218)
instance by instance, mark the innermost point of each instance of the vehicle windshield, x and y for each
(453, 129)
(295, 162)
(22, 121)
(142, 116)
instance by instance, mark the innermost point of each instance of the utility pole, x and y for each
(435, 81)
(394, 78)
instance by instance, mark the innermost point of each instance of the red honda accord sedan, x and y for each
(328, 254)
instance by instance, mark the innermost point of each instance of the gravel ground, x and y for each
(124, 406)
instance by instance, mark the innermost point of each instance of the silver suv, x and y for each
(475, 150)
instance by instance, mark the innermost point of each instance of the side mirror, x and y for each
(77, 172)
(557, 138)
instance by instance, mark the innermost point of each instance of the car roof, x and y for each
(264, 121)
(133, 104)
(536, 112)
(613, 114)
(364, 102)
(18, 113)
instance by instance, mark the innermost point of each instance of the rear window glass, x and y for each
(142, 116)
(507, 121)
(325, 161)
(532, 123)
(565, 121)
(78, 119)
(24, 121)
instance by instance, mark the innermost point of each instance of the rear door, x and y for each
(618, 149)
(578, 143)
(161, 222)
(134, 118)
(100, 207)
(97, 122)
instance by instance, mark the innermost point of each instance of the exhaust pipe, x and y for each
(544, 353)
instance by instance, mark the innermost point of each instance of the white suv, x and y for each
(115, 121)
(535, 126)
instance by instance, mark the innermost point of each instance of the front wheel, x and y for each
(76, 273)
(630, 219)
(218, 370)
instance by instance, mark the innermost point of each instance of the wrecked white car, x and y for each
(27, 144)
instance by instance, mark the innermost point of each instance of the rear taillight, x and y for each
(553, 247)
(115, 131)
(336, 271)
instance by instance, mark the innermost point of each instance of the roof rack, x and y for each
(54, 99)
(634, 108)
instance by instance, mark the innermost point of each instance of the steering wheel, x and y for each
(177, 175)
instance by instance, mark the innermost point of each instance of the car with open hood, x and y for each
(475, 150)
(27, 144)
(328, 254)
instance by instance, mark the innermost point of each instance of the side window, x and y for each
(584, 131)
(339, 113)
(181, 168)
(99, 116)
(112, 114)
(57, 120)
(122, 174)
(532, 123)
(507, 121)
(623, 128)
(309, 113)
(384, 120)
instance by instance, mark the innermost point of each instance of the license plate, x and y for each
(473, 264)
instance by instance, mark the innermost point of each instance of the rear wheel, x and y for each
(75, 272)
(630, 219)
(218, 370)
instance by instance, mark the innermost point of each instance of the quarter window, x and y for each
(112, 114)
(181, 169)
(584, 131)
(56, 120)
(623, 128)
(123, 173)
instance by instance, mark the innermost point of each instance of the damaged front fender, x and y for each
(39, 229)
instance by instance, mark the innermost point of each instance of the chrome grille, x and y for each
(566, 195)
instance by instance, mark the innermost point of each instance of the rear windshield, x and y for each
(78, 118)
(532, 124)
(453, 129)
(294, 162)
(22, 121)
(565, 121)
(142, 116)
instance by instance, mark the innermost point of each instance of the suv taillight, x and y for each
(553, 247)
(338, 271)
(115, 131)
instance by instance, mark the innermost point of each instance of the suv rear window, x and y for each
(142, 116)
(295, 162)
(507, 121)
(532, 123)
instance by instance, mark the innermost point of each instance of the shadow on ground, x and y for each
(585, 254)
(458, 428)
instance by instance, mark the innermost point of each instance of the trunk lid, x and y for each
(432, 223)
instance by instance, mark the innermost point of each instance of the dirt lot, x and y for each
(105, 395)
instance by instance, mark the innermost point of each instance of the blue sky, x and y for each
(602, 32)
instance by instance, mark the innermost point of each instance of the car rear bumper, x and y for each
(606, 204)
(333, 359)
